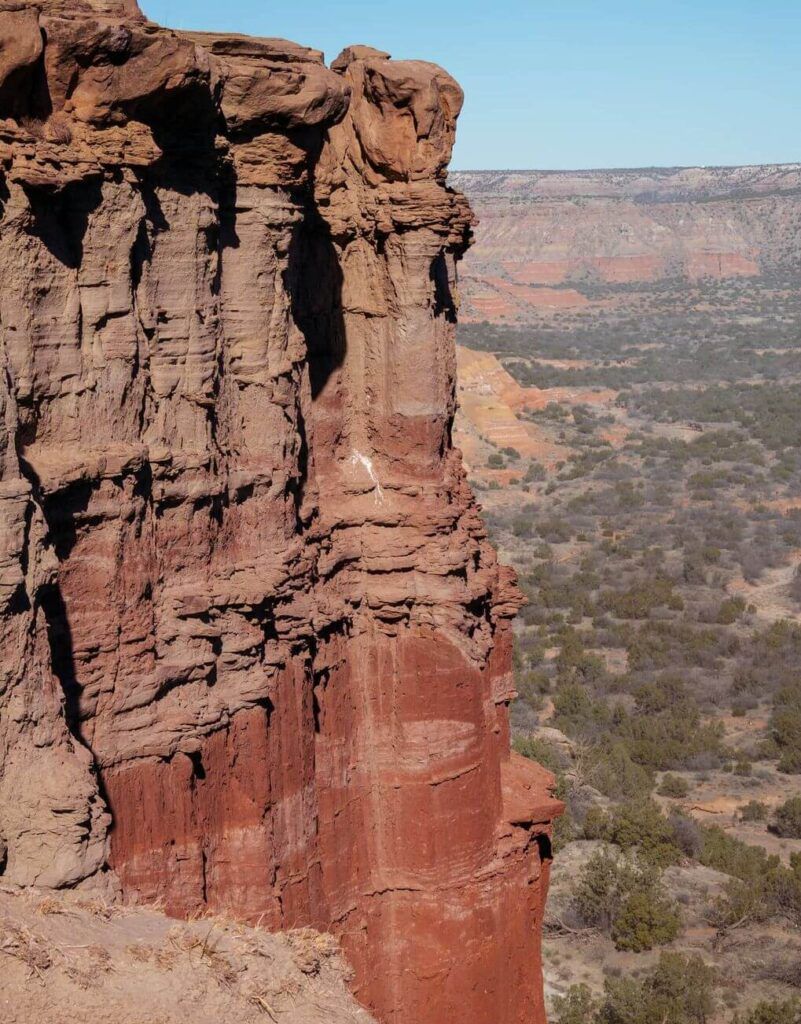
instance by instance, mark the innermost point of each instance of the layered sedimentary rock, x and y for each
(256, 648)
(548, 235)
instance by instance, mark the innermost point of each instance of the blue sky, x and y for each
(572, 83)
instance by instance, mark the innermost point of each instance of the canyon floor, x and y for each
(629, 379)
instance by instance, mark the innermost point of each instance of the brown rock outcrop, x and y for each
(255, 645)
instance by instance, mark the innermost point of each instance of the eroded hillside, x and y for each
(563, 240)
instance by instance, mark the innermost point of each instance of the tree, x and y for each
(612, 771)
(647, 918)
(678, 990)
(787, 820)
(754, 810)
(673, 786)
(598, 893)
(776, 1011)
(576, 1007)
(641, 824)
(627, 900)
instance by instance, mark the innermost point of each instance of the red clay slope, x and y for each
(255, 644)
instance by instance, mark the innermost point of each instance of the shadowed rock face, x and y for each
(255, 645)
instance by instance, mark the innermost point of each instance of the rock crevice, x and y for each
(256, 647)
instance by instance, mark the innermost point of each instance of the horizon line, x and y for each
(636, 167)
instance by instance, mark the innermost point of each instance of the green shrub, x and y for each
(787, 886)
(531, 686)
(677, 990)
(754, 810)
(554, 531)
(673, 786)
(575, 711)
(535, 472)
(730, 611)
(523, 526)
(541, 751)
(761, 886)
(640, 599)
(776, 1011)
(785, 726)
(596, 824)
(741, 903)
(577, 1006)
(647, 918)
(665, 729)
(612, 771)
(787, 820)
(733, 857)
(626, 899)
(601, 887)
(640, 824)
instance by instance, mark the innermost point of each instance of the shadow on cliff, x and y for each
(60, 221)
(60, 511)
(314, 282)
(62, 657)
(444, 302)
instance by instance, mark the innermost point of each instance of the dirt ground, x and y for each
(66, 959)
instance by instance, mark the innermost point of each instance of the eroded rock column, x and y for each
(256, 645)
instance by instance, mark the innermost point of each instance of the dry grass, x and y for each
(57, 130)
(98, 907)
(68, 955)
(311, 948)
(208, 952)
(140, 952)
(100, 956)
(166, 959)
(33, 126)
(52, 905)
(22, 944)
(258, 999)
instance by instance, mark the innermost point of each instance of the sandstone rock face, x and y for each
(255, 645)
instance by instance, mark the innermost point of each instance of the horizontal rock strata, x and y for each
(256, 647)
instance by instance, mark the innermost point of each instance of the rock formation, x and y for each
(256, 648)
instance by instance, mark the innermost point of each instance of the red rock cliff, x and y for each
(255, 644)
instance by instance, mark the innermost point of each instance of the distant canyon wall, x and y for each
(547, 236)
(256, 647)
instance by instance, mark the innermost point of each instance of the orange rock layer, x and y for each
(256, 648)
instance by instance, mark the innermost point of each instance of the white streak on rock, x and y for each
(358, 459)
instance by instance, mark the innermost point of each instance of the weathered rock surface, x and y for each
(255, 644)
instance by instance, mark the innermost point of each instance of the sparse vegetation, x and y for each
(658, 548)
(775, 1011)
(677, 990)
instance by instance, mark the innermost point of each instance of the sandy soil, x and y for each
(66, 959)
